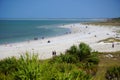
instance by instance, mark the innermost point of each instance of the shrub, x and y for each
(66, 58)
(65, 71)
(8, 65)
(6, 77)
(93, 58)
(29, 68)
(79, 75)
(90, 68)
(73, 50)
(48, 71)
(84, 51)
(113, 73)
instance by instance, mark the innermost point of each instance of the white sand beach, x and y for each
(79, 33)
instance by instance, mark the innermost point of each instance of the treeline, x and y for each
(114, 19)
(77, 63)
(106, 22)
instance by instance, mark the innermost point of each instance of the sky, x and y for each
(59, 8)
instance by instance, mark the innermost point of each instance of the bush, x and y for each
(73, 50)
(29, 68)
(93, 58)
(6, 77)
(113, 73)
(79, 75)
(8, 65)
(84, 51)
(66, 58)
(65, 71)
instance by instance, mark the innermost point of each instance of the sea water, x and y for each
(12, 31)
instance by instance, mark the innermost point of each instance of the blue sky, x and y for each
(59, 8)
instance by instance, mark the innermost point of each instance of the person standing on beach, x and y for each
(54, 53)
(112, 45)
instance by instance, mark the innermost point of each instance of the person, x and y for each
(95, 36)
(53, 53)
(112, 45)
(48, 41)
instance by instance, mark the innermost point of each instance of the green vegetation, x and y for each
(28, 68)
(24, 68)
(77, 63)
(105, 63)
(110, 40)
(108, 22)
(113, 73)
(7, 66)
(114, 20)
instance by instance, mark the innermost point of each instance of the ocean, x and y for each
(12, 31)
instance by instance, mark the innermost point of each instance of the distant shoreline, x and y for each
(55, 18)
(107, 22)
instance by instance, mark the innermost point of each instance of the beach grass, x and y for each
(110, 40)
(105, 63)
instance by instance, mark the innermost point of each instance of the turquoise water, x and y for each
(22, 30)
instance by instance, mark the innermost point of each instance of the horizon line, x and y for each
(50, 18)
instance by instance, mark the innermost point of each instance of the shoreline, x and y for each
(79, 33)
(39, 36)
(48, 37)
